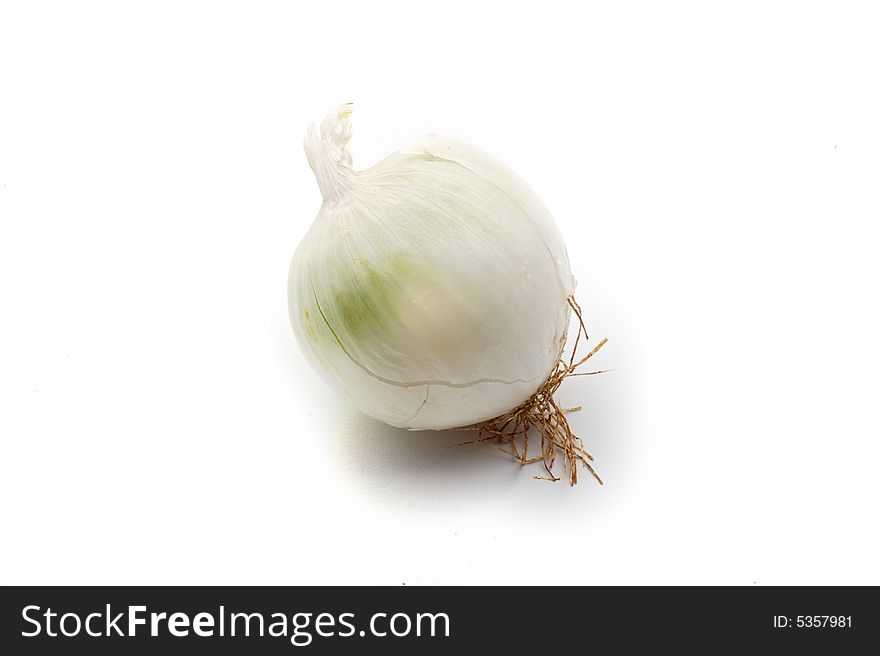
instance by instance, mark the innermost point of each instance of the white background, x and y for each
(713, 168)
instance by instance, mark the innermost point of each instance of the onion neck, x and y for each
(327, 151)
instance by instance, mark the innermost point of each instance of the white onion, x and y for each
(432, 288)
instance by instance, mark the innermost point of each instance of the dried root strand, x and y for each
(541, 412)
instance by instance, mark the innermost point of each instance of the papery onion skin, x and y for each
(431, 289)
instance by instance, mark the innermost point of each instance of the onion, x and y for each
(432, 290)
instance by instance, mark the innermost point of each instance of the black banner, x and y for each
(435, 620)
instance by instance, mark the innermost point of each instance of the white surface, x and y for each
(715, 174)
